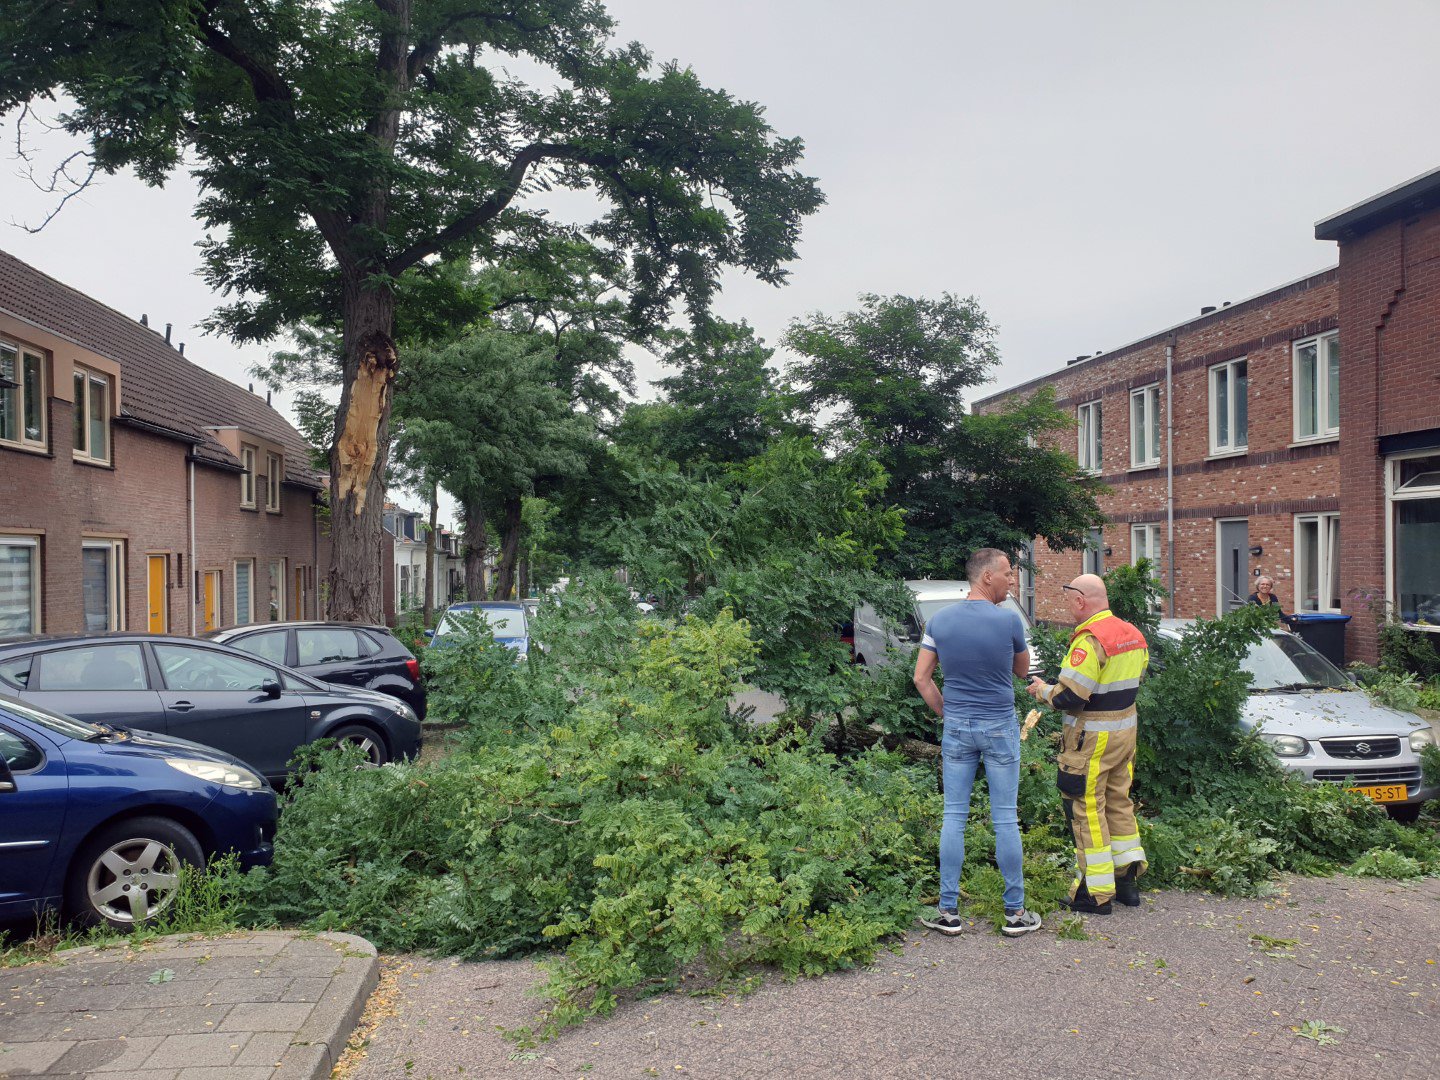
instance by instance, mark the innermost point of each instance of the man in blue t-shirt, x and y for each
(978, 646)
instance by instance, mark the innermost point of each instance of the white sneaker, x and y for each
(1020, 922)
(947, 922)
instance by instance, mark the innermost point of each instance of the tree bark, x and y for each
(432, 576)
(476, 543)
(358, 455)
(509, 550)
(523, 586)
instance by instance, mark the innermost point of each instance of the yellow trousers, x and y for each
(1097, 763)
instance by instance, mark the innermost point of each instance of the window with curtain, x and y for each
(19, 586)
(1229, 407)
(1145, 426)
(1317, 387)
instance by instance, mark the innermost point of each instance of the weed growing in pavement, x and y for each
(1319, 1031)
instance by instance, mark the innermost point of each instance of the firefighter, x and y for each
(1096, 690)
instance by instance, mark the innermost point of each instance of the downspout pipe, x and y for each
(194, 573)
(1170, 469)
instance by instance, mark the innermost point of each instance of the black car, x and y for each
(348, 654)
(205, 692)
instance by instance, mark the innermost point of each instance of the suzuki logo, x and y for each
(1362, 748)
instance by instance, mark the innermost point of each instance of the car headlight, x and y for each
(1287, 745)
(405, 710)
(1422, 738)
(216, 772)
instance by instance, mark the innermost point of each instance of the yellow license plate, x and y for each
(1384, 792)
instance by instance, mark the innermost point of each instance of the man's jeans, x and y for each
(967, 742)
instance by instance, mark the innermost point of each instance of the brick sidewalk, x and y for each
(250, 1006)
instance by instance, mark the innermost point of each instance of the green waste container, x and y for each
(1324, 632)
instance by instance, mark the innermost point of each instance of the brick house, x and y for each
(402, 564)
(139, 491)
(1222, 444)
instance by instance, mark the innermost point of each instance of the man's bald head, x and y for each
(1087, 595)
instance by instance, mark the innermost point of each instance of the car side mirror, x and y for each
(270, 688)
(7, 778)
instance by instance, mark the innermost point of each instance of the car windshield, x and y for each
(53, 721)
(503, 622)
(1284, 662)
(929, 608)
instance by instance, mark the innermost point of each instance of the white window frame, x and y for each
(273, 475)
(1327, 538)
(116, 560)
(21, 358)
(247, 477)
(88, 379)
(275, 599)
(1326, 425)
(1392, 496)
(1147, 536)
(1147, 398)
(37, 577)
(1089, 445)
(1233, 447)
(247, 616)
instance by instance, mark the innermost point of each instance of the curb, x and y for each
(321, 1040)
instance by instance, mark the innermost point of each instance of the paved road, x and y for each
(1178, 988)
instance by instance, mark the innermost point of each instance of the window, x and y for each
(1229, 407)
(1317, 387)
(19, 586)
(15, 671)
(195, 670)
(1094, 558)
(328, 646)
(22, 407)
(1088, 416)
(1145, 426)
(20, 755)
(92, 415)
(247, 476)
(102, 585)
(269, 645)
(97, 668)
(1317, 562)
(244, 593)
(1415, 519)
(273, 476)
(277, 590)
(1145, 544)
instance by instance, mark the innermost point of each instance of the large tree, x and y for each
(342, 144)
(892, 376)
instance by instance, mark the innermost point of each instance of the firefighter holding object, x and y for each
(1096, 691)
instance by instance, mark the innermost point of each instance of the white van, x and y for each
(877, 643)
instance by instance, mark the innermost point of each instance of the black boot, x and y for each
(1084, 904)
(1127, 885)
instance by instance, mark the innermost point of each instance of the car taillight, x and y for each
(413, 667)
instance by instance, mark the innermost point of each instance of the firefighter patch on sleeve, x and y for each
(1077, 657)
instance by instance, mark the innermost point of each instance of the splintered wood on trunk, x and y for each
(509, 550)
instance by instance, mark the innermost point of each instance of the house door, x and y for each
(1233, 569)
(212, 600)
(300, 592)
(157, 595)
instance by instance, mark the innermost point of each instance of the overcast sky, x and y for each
(1091, 172)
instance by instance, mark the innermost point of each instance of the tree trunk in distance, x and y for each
(359, 453)
(431, 576)
(522, 589)
(476, 543)
(509, 550)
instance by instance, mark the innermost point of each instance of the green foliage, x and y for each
(1430, 696)
(641, 830)
(1387, 863)
(891, 377)
(1430, 763)
(1137, 596)
(1404, 651)
(1394, 688)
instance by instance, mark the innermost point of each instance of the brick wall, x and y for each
(1268, 485)
(141, 498)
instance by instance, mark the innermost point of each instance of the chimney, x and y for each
(1225, 304)
(1207, 309)
(267, 397)
(182, 348)
(144, 320)
(252, 387)
(167, 333)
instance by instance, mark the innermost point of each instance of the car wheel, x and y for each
(371, 744)
(128, 873)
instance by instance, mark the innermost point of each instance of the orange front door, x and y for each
(157, 596)
(212, 600)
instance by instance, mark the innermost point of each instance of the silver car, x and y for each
(878, 642)
(1320, 725)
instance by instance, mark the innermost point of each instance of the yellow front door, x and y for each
(157, 595)
(212, 600)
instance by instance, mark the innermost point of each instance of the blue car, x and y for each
(504, 618)
(97, 820)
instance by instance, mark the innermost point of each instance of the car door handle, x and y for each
(181, 706)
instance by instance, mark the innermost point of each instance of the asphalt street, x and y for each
(1337, 977)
